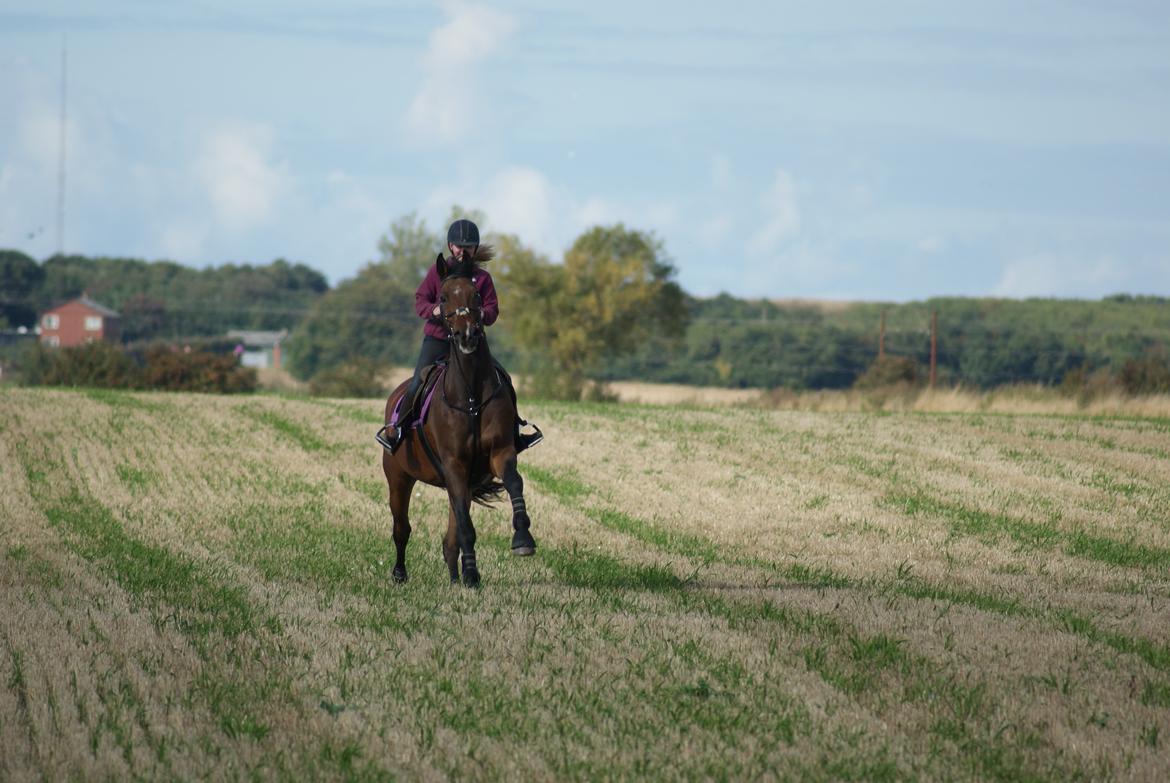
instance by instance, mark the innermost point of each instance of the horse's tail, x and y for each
(487, 491)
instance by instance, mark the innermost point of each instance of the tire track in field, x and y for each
(846, 660)
(571, 492)
(323, 555)
(205, 607)
(911, 499)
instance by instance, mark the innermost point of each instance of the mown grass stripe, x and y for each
(297, 433)
(202, 602)
(974, 522)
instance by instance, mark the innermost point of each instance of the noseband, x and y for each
(458, 311)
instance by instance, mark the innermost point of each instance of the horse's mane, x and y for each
(483, 254)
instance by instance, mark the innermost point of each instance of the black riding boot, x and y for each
(391, 437)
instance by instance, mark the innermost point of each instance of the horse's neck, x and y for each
(472, 371)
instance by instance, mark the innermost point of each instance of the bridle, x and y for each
(473, 407)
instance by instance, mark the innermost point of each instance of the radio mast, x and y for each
(61, 157)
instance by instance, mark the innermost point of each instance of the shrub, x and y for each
(1148, 375)
(355, 378)
(1087, 385)
(888, 371)
(93, 364)
(200, 371)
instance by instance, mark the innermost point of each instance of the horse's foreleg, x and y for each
(451, 546)
(400, 487)
(504, 468)
(464, 534)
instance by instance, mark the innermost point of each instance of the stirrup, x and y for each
(525, 442)
(387, 443)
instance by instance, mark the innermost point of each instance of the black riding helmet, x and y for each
(463, 233)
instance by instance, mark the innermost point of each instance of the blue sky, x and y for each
(850, 150)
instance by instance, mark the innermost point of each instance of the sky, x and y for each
(837, 150)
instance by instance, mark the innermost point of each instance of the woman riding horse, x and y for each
(469, 443)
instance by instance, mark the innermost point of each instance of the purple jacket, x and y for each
(427, 296)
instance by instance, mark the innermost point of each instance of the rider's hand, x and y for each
(436, 311)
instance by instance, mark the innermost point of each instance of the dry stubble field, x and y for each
(196, 586)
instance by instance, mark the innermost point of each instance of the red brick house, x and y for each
(79, 321)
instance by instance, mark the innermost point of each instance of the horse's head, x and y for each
(460, 305)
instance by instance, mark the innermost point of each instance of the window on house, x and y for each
(93, 323)
(52, 340)
(51, 322)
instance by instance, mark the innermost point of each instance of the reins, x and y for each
(473, 408)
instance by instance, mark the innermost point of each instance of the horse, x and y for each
(466, 443)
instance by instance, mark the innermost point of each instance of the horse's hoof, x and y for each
(399, 575)
(471, 578)
(522, 543)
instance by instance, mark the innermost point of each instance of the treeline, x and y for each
(981, 342)
(610, 309)
(161, 299)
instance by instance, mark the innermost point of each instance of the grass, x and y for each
(198, 586)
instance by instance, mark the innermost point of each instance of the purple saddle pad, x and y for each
(426, 406)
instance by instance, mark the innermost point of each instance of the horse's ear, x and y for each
(441, 266)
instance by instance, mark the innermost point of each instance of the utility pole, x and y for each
(61, 157)
(882, 337)
(933, 346)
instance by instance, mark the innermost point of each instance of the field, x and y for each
(195, 586)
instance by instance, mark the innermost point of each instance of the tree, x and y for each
(20, 281)
(143, 318)
(612, 292)
(371, 316)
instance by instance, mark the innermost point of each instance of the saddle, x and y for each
(432, 376)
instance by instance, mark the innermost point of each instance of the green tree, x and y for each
(20, 282)
(371, 316)
(614, 290)
(407, 251)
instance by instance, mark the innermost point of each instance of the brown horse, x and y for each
(466, 443)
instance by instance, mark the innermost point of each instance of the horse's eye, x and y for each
(443, 298)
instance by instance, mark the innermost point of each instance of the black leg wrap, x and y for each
(470, 572)
(523, 543)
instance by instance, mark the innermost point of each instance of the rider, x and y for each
(463, 245)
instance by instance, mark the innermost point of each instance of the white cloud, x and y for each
(595, 212)
(182, 240)
(546, 215)
(781, 215)
(516, 200)
(520, 201)
(450, 92)
(1056, 274)
(242, 184)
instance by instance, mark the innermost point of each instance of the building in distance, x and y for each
(79, 321)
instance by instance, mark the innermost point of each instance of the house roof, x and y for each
(85, 301)
(256, 339)
(101, 308)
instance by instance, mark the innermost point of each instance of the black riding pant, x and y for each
(433, 349)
